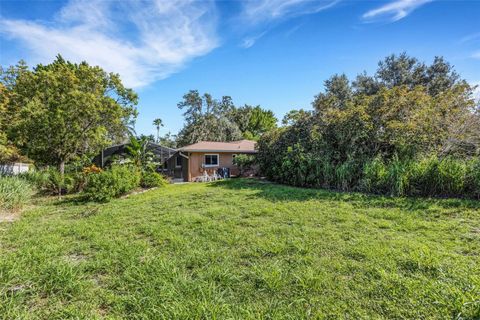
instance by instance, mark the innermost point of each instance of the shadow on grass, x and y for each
(277, 192)
(73, 200)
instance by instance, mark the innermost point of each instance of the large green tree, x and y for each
(64, 110)
(220, 120)
(405, 111)
(9, 116)
(253, 121)
(206, 119)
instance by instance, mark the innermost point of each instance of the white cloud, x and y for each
(476, 55)
(258, 15)
(165, 36)
(395, 10)
(250, 41)
(258, 11)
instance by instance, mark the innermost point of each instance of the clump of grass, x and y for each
(14, 193)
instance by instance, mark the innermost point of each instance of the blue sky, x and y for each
(275, 53)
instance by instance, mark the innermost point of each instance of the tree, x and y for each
(338, 92)
(8, 115)
(66, 110)
(244, 162)
(206, 119)
(158, 123)
(407, 111)
(209, 128)
(137, 150)
(219, 120)
(253, 121)
(293, 116)
(168, 140)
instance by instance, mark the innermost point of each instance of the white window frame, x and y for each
(211, 165)
(176, 163)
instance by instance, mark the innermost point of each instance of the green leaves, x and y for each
(63, 110)
(365, 135)
(208, 119)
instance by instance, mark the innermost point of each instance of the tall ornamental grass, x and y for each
(429, 176)
(14, 193)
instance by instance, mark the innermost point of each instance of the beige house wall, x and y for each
(196, 161)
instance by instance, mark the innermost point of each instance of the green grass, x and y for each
(243, 249)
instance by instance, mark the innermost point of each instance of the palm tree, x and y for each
(158, 123)
(138, 152)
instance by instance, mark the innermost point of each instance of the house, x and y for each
(189, 162)
(119, 151)
(192, 161)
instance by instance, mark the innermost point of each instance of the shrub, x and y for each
(111, 183)
(49, 181)
(346, 175)
(14, 193)
(439, 177)
(375, 176)
(472, 178)
(151, 179)
(452, 177)
(244, 162)
(397, 178)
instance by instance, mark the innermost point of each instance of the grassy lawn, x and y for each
(242, 249)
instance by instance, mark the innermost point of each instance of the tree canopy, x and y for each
(64, 110)
(405, 111)
(208, 119)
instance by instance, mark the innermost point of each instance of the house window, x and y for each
(211, 160)
(178, 161)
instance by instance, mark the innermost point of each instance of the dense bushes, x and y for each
(151, 179)
(411, 129)
(427, 176)
(244, 162)
(14, 193)
(111, 183)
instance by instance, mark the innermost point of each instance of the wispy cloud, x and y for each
(258, 11)
(250, 41)
(471, 38)
(143, 41)
(258, 16)
(394, 10)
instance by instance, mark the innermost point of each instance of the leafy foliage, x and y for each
(50, 181)
(111, 183)
(151, 179)
(61, 111)
(253, 121)
(244, 162)
(138, 152)
(365, 135)
(207, 119)
(14, 193)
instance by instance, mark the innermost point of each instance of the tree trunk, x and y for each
(61, 168)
